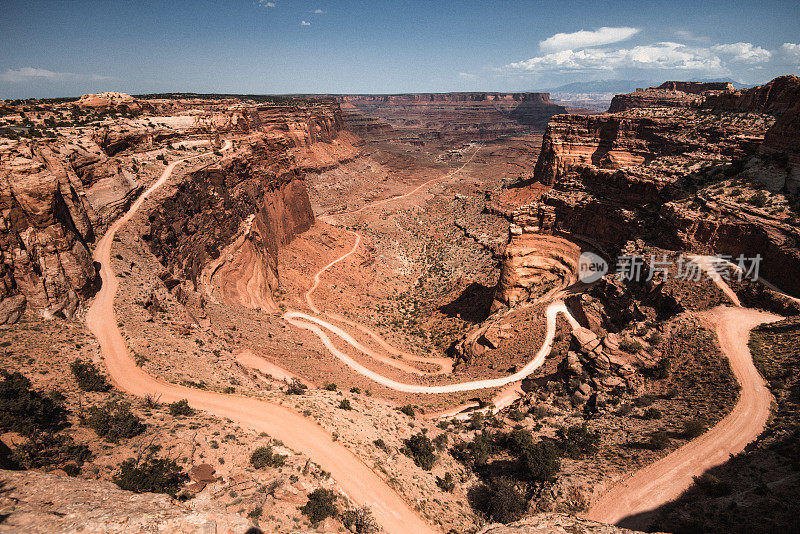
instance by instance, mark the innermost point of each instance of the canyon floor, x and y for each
(414, 339)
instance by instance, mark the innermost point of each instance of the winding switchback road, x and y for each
(357, 480)
(632, 501)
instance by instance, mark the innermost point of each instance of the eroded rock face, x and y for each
(534, 264)
(45, 222)
(670, 94)
(448, 117)
(617, 177)
(223, 227)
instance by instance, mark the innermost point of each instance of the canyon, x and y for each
(386, 289)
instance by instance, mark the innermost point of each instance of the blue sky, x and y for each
(67, 48)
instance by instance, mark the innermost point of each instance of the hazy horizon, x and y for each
(325, 47)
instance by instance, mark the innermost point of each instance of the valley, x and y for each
(385, 292)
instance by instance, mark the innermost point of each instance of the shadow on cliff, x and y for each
(472, 304)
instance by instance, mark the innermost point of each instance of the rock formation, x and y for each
(614, 178)
(449, 117)
(670, 94)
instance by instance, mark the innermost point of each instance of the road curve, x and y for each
(316, 325)
(663, 481)
(357, 480)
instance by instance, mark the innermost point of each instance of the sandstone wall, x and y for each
(223, 227)
(55, 197)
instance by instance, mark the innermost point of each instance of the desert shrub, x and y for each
(330, 386)
(181, 407)
(652, 413)
(713, 486)
(476, 420)
(498, 500)
(538, 461)
(320, 506)
(440, 442)
(662, 368)
(88, 376)
(693, 428)
(264, 457)
(446, 483)
(114, 422)
(25, 410)
(359, 520)
(254, 514)
(345, 405)
(420, 448)
(296, 387)
(631, 347)
(658, 441)
(477, 452)
(758, 200)
(45, 449)
(408, 410)
(516, 415)
(381, 444)
(154, 475)
(577, 441)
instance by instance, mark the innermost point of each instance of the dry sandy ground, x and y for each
(665, 480)
(358, 481)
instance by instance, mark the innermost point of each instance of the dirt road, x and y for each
(358, 481)
(665, 480)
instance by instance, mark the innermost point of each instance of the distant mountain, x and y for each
(627, 86)
(602, 86)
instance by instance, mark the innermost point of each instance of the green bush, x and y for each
(114, 422)
(345, 405)
(476, 453)
(447, 483)
(658, 441)
(420, 448)
(330, 386)
(88, 376)
(652, 413)
(758, 200)
(381, 444)
(264, 457)
(578, 441)
(693, 428)
(320, 506)
(181, 407)
(25, 410)
(498, 500)
(359, 521)
(45, 449)
(540, 461)
(408, 410)
(156, 475)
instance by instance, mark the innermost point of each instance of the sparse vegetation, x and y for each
(25, 410)
(264, 457)
(156, 475)
(88, 376)
(181, 407)
(420, 448)
(114, 422)
(320, 506)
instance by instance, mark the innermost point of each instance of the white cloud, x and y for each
(318, 12)
(304, 23)
(586, 38)
(466, 76)
(791, 49)
(743, 52)
(29, 74)
(686, 35)
(661, 56)
(264, 3)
